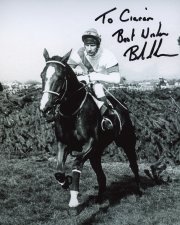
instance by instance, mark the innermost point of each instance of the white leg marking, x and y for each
(73, 200)
(61, 183)
(75, 170)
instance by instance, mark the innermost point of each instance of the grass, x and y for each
(29, 194)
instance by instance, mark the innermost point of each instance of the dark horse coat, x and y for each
(78, 125)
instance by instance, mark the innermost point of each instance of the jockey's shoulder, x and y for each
(106, 51)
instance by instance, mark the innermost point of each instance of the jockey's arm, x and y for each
(113, 77)
(81, 74)
(78, 70)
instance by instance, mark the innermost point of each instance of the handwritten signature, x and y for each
(135, 53)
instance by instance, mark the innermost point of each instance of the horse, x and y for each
(77, 122)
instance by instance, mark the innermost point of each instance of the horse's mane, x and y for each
(70, 72)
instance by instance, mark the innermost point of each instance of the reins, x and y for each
(58, 94)
(82, 103)
(61, 100)
(115, 98)
(76, 111)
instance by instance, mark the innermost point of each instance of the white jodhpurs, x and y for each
(99, 93)
(98, 90)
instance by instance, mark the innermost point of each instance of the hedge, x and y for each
(155, 115)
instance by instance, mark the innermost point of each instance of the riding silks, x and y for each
(85, 61)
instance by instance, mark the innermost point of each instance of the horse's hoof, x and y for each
(104, 205)
(100, 199)
(68, 182)
(74, 211)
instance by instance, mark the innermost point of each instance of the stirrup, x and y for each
(106, 124)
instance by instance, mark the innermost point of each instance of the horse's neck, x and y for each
(73, 83)
(75, 95)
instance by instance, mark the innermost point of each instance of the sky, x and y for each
(27, 27)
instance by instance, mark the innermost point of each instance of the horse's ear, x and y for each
(66, 57)
(46, 54)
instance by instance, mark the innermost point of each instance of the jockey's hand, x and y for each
(93, 76)
(84, 78)
(78, 71)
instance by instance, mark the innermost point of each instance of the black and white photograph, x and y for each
(89, 112)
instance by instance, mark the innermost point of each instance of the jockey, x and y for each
(95, 64)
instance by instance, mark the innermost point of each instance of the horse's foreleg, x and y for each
(61, 158)
(76, 172)
(74, 189)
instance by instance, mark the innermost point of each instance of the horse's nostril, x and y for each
(42, 114)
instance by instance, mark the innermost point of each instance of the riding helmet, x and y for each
(92, 33)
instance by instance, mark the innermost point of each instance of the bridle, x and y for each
(62, 97)
(64, 84)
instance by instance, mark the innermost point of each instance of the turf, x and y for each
(29, 194)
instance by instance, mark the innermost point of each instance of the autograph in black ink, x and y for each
(123, 16)
(133, 54)
(134, 51)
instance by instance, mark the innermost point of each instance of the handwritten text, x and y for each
(134, 52)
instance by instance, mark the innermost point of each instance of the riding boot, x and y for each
(106, 110)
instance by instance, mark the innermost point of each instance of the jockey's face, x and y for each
(91, 46)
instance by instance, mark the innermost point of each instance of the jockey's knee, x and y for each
(98, 90)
